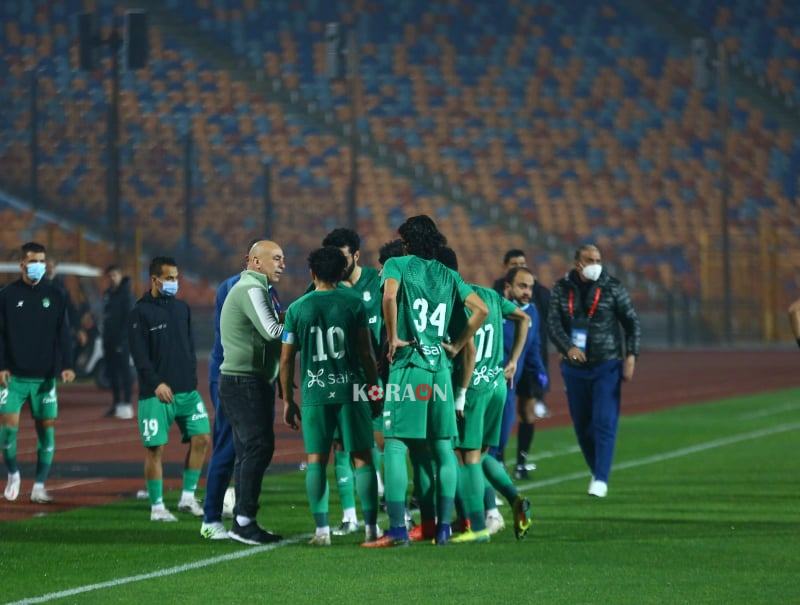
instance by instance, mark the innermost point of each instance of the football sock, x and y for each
(317, 491)
(396, 481)
(367, 486)
(524, 439)
(472, 483)
(155, 491)
(45, 452)
(8, 443)
(446, 478)
(461, 511)
(422, 465)
(344, 480)
(498, 478)
(190, 479)
(377, 459)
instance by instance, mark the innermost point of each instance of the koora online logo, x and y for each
(401, 392)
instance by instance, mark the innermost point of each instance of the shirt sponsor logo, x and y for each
(367, 296)
(158, 327)
(46, 302)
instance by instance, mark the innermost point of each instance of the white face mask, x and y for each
(592, 272)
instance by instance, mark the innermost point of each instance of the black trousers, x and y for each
(119, 373)
(248, 403)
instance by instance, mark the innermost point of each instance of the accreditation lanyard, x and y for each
(592, 309)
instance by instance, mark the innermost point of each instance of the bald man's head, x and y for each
(266, 257)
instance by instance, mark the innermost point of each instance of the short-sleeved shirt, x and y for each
(489, 339)
(368, 288)
(324, 327)
(428, 293)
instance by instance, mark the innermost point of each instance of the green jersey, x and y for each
(368, 288)
(324, 327)
(489, 339)
(427, 295)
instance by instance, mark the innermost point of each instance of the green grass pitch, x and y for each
(703, 507)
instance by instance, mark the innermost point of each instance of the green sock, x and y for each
(498, 477)
(395, 481)
(473, 495)
(367, 486)
(377, 459)
(190, 479)
(317, 491)
(461, 511)
(45, 452)
(446, 478)
(488, 494)
(424, 488)
(344, 480)
(8, 443)
(155, 491)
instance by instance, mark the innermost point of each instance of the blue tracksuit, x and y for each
(530, 361)
(223, 457)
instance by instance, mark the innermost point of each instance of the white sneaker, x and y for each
(228, 503)
(598, 488)
(162, 514)
(39, 495)
(189, 504)
(124, 411)
(347, 527)
(12, 486)
(540, 410)
(495, 522)
(372, 533)
(214, 531)
(320, 540)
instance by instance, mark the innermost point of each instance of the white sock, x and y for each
(492, 512)
(324, 531)
(14, 475)
(349, 515)
(187, 495)
(243, 521)
(38, 485)
(159, 506)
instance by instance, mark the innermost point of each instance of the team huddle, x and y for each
(405, 363)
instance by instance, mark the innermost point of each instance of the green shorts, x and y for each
(156, 418)
(40, 391)
(418, 404)
(493, 413)
(352, 422)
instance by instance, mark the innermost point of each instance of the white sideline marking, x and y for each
(77, 483)
(679, 453)
(170, 571)
(771, 411)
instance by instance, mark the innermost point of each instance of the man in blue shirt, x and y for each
(223, 457)
(530, 374)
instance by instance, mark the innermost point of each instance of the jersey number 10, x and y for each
(335, 341)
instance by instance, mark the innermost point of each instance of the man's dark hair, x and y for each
(390, 250)
(342, 237)
(513, 253)
(327, 263)
(32, 247)
(421, 237)
(159, 262)
(111, 268)
(447, 256)
(512, 273)
(584, 248)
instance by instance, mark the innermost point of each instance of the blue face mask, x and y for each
(36, 271)
(168, 288)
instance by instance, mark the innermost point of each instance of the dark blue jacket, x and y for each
(215, 360)
(530, 359)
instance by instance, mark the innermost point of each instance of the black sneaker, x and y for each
(252, 534)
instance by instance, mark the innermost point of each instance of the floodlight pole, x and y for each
(724, 118)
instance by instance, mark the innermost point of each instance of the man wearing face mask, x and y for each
(162, 347)
(586, 308)
(250, 330)
(35, 346)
